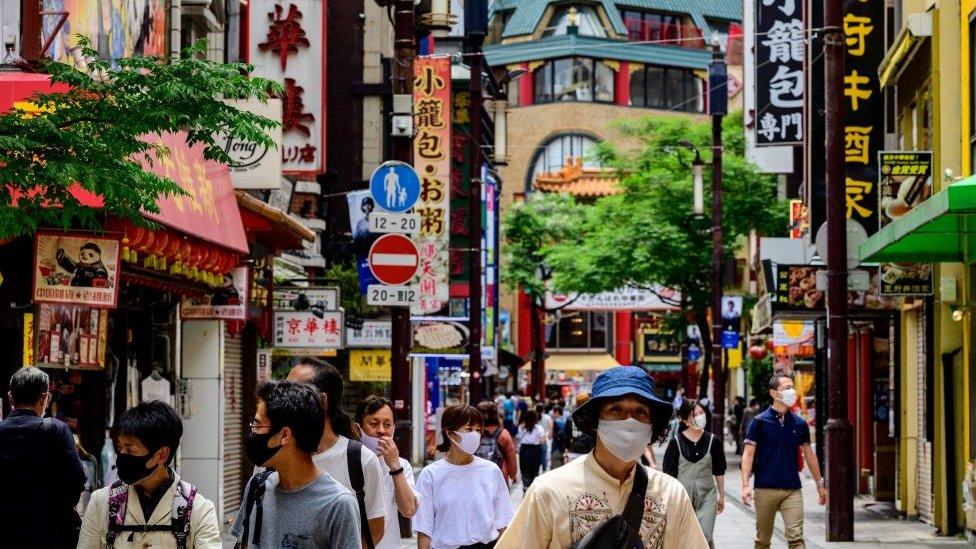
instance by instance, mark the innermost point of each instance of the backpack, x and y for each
(509, 406)
(489, 448)
(179, 526)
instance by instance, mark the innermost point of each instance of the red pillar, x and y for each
(526, 86)
(624, 337)
(865, 424)
(524, 319)
(621, 94)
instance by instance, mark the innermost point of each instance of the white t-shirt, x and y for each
(462, 504)
(333, 461)
(391, 537)
(536, 436)
(155, 389)
(546, 422)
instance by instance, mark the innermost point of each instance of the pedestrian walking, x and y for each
(747, 416)
(40, 471)
(497, 445)
(464, 501)
(558, 438)
(606, 491)
(150, 505)
(772, 441)
(578, 442)
(696, 458)
(292, 503)
(545, 419)
(735, 422)
(509, 408)
(374, 417)
(532, 445)
(339, 455)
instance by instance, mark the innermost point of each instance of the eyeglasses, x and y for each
(254, 424)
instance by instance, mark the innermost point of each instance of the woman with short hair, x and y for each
(532, 443)
(464, 501)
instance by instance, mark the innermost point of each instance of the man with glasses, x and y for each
(40, 471)
(292, 503)
(564, 505)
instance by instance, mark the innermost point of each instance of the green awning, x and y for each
(940, 229)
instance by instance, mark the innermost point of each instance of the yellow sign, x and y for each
(28, 339)
(369, 365)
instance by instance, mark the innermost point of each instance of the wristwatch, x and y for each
(822, 482)
(396, 472)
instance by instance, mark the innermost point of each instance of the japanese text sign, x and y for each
(432, 160)
(904, 181)
(780, 47)
(286, 44)
(370, 365)
(77, 269)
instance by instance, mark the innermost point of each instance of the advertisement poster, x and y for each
(796, 290)
(441, 336)
(71, 336)
(905, 181)
(79, 269)
(370, 365)
(227, 302)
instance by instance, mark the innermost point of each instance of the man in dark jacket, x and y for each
(39, 463)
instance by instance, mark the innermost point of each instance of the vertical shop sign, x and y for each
(28, 341)
(461, 239)
(904, 182)
(864, 104)
(432, 148)
(286, 44)
(780, 79)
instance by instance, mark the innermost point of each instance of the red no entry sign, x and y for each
(393, 258)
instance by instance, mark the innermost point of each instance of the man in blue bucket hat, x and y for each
(564, 505)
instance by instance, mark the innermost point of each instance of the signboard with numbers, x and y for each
(392, 296)
(780, 81)
(432, 146)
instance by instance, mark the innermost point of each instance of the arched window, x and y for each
(552, 155)
(574, 79)
(586, 19)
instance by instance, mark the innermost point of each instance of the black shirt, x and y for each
(693, 452)
(151, 501)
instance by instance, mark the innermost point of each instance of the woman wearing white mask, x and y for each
(695, 457)
(464, 500)
(374, 420)
(564, 505)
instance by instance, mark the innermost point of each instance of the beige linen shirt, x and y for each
(564, 504)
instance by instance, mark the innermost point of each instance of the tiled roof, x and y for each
(578, 181)
(528, 13)
(599, 48)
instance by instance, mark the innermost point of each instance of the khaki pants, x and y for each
(787, 502)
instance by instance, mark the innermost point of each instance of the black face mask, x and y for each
(132, 469)
(256, 448)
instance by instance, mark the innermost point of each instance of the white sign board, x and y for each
(308, 329)
(393, 296)
(286, 43)
(374, 334)
(623, 299)
(255, 166)
(301, 299)
(382, 222)
(227, 302)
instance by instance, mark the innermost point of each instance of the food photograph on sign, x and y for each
(227, 302)
(905, 181)
(440, 336)
(76, 268)
(796, 289)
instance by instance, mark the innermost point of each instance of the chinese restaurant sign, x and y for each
(75, 268)
(370, 365)
(286, 44)
(796, 290)
(779, 72)
(308, 318)
(460, 192)
(864, 104)
(226, 302)
(432, 148)
(904, 181)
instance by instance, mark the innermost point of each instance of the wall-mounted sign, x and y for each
(797, 289)
(306, 299)
(71, 336)
(28, 341)
(370, 365)
(780, 49)
(623, 299)
(76, 269)
(440, 336)
(227, 302)
(310, 329)
(374, 333)
(904, 181)
(255, 166)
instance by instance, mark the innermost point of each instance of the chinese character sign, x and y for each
(311, 329)
(780, 80)
(432, 160)
(287, 45)
(904, 181)
(864, 108)
(74, 268)
(370, 365)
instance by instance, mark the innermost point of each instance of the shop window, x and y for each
(667, 88)
(665, 28)
(579, 330)
(552, 155)
(586, 19)
(574, 79)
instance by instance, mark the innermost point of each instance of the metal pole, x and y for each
(718, 374)
(839, 434)
(403, 55)
(474, 282)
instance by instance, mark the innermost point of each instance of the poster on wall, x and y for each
(904, 182)
(71, 336)
(227, 302)
(76, 268)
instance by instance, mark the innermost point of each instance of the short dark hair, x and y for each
(296, 406)
(776, 378)
(91, 246)
(687, 408)
(327, 379)
(753, 402)
(490, 413)
(155, 423)
(557, 409)
(455, 417)
(28, 385)
(371, 405)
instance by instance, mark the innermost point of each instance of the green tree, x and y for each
(90, 136)
(647, 236)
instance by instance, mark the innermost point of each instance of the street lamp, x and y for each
(697, 167)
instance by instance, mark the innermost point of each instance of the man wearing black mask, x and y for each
(40, 471)
(146, 438)
(292, 503)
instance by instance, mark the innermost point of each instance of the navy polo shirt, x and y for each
(777, 438)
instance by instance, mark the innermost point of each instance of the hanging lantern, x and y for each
(757, 352)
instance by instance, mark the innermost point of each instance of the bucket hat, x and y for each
(618, 382)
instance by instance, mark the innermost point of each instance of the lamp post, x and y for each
(718, 101)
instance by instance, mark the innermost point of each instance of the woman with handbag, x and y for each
(463, 499)
(696, 458)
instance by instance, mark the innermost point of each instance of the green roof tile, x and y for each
(569, 45)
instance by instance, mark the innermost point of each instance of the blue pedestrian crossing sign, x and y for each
(395, 186)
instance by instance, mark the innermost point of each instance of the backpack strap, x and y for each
(180, 516)
(354, 462)
(118, 497)
(634, 511)
(255, 493)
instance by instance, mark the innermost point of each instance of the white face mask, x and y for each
(372, 443)
(625, 438)
(788, 396)
(700, 421)
(469, 441)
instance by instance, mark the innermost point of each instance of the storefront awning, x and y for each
(580, 362)
(941, 229)
(270, 226)
(17, 87)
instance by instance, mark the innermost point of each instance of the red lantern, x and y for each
(770, 345)
(757, 352)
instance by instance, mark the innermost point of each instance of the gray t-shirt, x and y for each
(320, 514)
